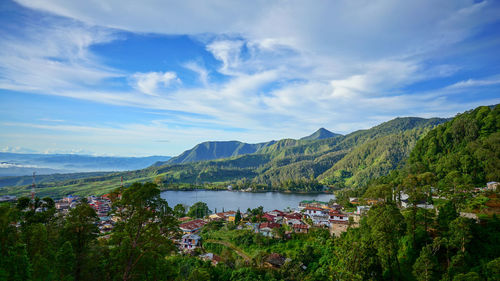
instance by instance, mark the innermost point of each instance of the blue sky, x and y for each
(155, 77)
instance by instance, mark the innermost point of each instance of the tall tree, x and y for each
(80, 229)
(425, 266)
(142, 237)
(237, 217)
(387, 226)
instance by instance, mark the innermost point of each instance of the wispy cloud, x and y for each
(469, 83)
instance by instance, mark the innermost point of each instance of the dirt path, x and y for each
(232, 247)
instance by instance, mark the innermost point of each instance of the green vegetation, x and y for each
(389, 244)
(198, 210)
(287, 165)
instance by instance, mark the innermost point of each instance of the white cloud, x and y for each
(294, 66)
(53, 56)
(228, 52)
(149, 82)
(200, 70)
(469, 83)
(16, 149)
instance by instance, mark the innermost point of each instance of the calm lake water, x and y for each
(232, 200)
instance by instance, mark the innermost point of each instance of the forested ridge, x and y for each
(287, 165)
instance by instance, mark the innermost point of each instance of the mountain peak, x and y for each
(321, 133)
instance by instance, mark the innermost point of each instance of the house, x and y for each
(276, 213)
(61, 205)
(319, 216)
(312, 203)
(215, 259)
(336, 207)
(216, 217)
(354, 200)
(336, 217)
(266, 228)
(315, 211)
(296, 216)
(190, 241)
(184, 219)
(492, 185)
(192, 226)
(291, 222)
(300, 228)
(228, 216)
(362, 209)
(268, 217)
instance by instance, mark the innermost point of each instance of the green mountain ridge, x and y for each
(286, 165)
(212, 150)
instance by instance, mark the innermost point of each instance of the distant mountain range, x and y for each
(323, 158)
(17, 164)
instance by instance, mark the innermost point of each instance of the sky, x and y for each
(156, 77)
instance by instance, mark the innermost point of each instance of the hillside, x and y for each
(287, 165)
(212, 150)
(464, 152)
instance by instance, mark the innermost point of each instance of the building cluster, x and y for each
(101, 204)
(309, 214)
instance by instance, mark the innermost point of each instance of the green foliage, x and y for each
(462, 153)
(198, 210)
(142, 237)
(179, 210)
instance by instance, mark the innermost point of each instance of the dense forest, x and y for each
(388, 244)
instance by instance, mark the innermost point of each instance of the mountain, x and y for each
(211, 150)
(286, 165)
(321, 133)
(18, 164)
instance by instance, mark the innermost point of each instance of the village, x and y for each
(272, 224)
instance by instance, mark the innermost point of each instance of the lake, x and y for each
(232, 200)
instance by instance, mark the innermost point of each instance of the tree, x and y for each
(198, 210)
(143, 236)
(493, 269)
(179, 210)
(387, 226)
(460, 233)
(81, 231)
(425, 265)
(471, 276)
(65, 262)
(447, 213)
(237, 217)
